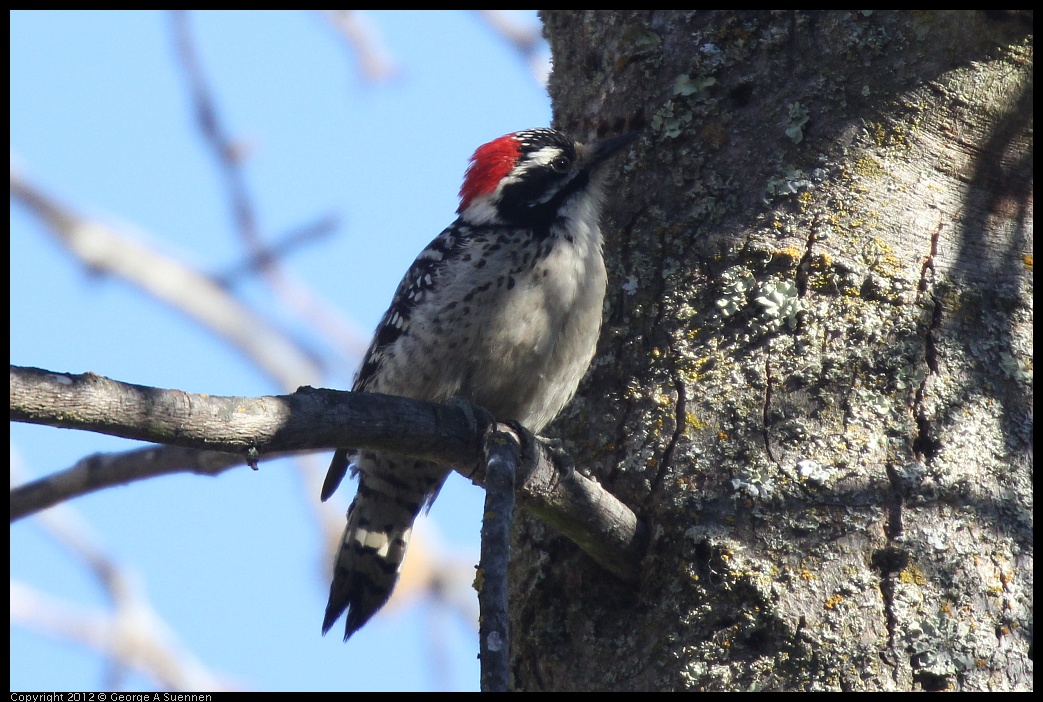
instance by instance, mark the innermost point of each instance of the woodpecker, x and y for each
(503, 309)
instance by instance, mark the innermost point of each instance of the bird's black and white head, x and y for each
(533, 177)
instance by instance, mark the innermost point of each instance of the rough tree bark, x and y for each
(814, 378)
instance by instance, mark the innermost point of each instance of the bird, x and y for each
(502, 309)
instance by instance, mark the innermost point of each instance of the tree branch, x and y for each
(494, 640)
(361, 38)
(103, 470)
(103, 249)
(230, 156)
(312, 419)
(127, 632)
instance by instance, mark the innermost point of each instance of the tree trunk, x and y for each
(814, 377)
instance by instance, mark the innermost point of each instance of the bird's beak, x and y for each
(603, 150)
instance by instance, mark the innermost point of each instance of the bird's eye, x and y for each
(560, 164)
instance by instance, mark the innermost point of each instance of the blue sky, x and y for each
(100, 119)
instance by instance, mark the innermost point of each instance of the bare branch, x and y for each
(525, 39)
(229, 155)
(314, 419)
(130, 634)
(307, 419)
(502, 458)
(280, 249)
(364, 42)
(133, 636)
(105, 250)
(103, 470)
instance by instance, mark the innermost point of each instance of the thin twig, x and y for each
(103, 470)
(130, 634)
(281, 249)
(525, 38)
(364, 41)
(229, 155)
(102, 249)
